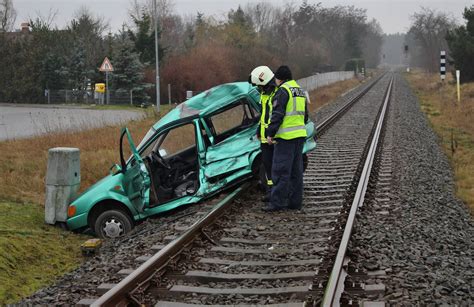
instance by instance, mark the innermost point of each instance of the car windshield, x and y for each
(145, 139)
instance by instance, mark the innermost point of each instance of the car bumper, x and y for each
(77, 221)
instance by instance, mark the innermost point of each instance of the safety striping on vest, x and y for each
(283, 130)
(295, 113)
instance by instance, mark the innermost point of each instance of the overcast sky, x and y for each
(393, 15)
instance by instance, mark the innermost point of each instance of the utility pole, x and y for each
(156, 58)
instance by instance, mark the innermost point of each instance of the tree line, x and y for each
(195, 52)
(432, 32)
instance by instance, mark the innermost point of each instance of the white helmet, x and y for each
(261, 75)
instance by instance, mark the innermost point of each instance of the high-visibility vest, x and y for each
(293, 125)
(266, 100)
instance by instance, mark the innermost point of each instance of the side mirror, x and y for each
(115, 169)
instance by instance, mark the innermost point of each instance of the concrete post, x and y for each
(63, 178)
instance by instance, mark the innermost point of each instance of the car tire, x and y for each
(112, 224)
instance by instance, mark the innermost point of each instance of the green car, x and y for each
(202, 146)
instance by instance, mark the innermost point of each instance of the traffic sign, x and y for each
(106, 65)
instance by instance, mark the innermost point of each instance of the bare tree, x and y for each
(372, 45)
(260, 14)
(428, 33)
(164, 9)
(7, 15)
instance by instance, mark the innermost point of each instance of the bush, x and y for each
(356, 65)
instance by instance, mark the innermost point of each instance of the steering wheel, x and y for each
(159, 159)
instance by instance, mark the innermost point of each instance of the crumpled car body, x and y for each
(204, 145)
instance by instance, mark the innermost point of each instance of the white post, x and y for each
(458, 82)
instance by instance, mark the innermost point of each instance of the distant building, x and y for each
(23, 31)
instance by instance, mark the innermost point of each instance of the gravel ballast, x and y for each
(425, 243)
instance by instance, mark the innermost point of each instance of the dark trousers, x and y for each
(267, 158)
(287, 174)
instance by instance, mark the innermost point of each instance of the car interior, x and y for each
(231, 120)
(173, 166)
(172, 158)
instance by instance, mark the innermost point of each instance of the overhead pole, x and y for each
(156, 58)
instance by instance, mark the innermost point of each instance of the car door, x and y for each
(234, 139)
(136, 179)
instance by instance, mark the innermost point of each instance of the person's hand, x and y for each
(270, 140)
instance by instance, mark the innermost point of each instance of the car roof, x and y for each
(207, 102)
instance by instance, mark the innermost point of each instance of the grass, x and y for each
(328, 93)
(454, 124)
(23, 162)
(33, 254)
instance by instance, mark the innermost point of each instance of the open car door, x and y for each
(136, 181)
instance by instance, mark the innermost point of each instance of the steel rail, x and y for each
(326, 123)
(331, 287)
(117, 296)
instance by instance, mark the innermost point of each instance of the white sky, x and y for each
(393, 15)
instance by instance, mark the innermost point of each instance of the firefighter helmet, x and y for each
(261, 75)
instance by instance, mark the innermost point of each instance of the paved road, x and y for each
(29, 121)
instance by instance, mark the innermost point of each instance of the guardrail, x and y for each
(316, 81)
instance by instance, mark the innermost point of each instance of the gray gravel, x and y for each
(114, 256)
(121, 254)
(425, 243)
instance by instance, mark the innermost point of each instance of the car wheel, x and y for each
(112, 224)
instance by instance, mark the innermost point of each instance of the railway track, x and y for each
(237, 254)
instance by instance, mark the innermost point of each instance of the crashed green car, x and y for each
(201, 147)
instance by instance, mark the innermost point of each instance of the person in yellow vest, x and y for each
(287, 132)
(263, 78)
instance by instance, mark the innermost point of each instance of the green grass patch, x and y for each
(32, 254)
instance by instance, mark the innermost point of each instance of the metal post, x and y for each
(107, 87)
(131, 97)
(156, 58)
(169, 94)
(458, 84)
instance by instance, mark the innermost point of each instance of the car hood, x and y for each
(105, 184)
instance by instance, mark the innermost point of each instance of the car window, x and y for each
(234, 119)
(177, 140)
(145, 139)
